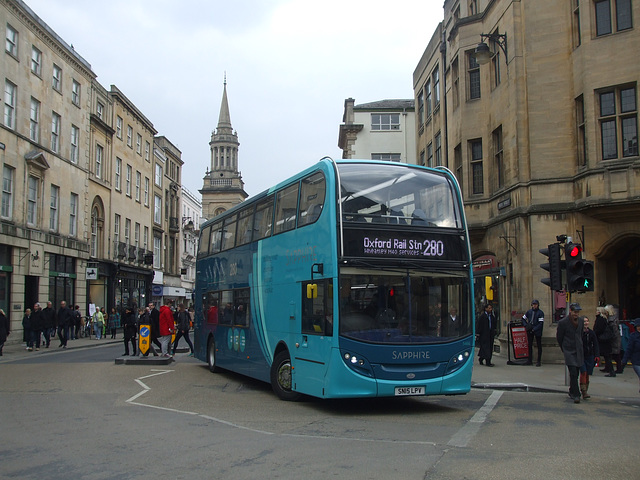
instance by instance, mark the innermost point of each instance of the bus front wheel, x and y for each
(211, 356)
(281, 378)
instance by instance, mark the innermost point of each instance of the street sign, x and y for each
(91, 273)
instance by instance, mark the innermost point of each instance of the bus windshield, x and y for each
(404, 306)
(397, 195)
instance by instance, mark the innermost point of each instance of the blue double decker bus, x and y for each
(350, 279)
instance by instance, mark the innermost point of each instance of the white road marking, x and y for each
(466, 433)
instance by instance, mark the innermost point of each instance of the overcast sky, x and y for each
(290, 64)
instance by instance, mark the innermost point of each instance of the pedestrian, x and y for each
(145, 319)
(26, 329)
(105, 320)
(154, 316)
(98, 323)
(37, 323)
(534, 323)
(5, 329)
(604, 332)
(65, 317)
(616, 343)
(130, 328)
(114, 322)
(184, 322)
(486, 330)
(77, 322)
(632, 352)
(49, 323)
(167, 327)
(569, 337)
(591, 357)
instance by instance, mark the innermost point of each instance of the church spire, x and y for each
(224, 120)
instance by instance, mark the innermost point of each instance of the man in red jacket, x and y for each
(167, 327)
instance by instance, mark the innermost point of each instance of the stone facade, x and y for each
(543, 140)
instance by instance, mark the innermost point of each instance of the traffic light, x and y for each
(554, 266)
(588, 271)
(579, 271)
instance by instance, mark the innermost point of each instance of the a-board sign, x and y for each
(519, 341)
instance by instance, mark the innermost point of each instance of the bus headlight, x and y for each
(457, 361)
(357, 363)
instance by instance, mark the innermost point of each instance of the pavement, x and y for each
(549, 378)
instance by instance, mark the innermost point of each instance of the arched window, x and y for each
(97, 226)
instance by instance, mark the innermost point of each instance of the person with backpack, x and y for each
(184, 324)
(130, 329)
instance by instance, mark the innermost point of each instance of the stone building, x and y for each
(543, 139)
(381, 130)
(222, 185)
(44, 151)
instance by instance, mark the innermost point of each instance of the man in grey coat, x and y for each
(569, 336)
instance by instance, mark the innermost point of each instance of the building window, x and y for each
(473, 7)
(10, 98)
(99, 156)
(430, 155)
(138, 181)
(146, 191)
(147, 149)
(11, 43)
(75, 93)
(389, 157)
(95, 231)
(604, 14)
(477, 173)
(157, 209)
(157, 250)
(73, 215)
(427, 90)
(455, 70)
(119, 127)
(53, 208)
(56, 81)
(473, 73)
(575, 24)
(145, 238)
(385, 121)
(421, 108)
(75, 136)
(36, 61)
(438, 149)
(457, 164)
(100, 110)
(116, 231)
(34, 120)
(129, 136)
(581, 132)
(139, 144)
(136, 235)
(495, 63)
(422, 158)
(128, 181)
(55, 132)
(118, 182)
(127, 231)
(7, 192)
(32, 201)
(436, 87)
(158, 178)
(618, 113)
(498, 155)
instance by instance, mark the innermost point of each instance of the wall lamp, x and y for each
(483, 53)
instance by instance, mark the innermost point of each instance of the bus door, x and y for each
(316, 334)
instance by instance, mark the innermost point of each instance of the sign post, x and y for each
(144, 339)
(518, 336)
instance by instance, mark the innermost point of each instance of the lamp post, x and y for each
(483, 53)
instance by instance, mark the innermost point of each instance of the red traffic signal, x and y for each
(573, 250)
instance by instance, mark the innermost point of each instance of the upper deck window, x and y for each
(397, 195)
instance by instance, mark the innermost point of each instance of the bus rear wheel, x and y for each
(281, 378)
(211, 356)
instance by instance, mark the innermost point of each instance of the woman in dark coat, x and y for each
(599, 328)
(5, 329)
